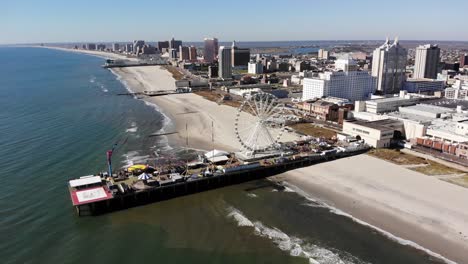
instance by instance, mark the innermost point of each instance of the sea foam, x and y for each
(293, 245)
(166, 120)
(315, 203)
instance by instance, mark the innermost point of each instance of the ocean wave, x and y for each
(163, 140)
(239, 217)
(287, 189)
(103, 88)
(405, 242)
(293, 245)
(131, 130)
(133, 157)
(166, 120)
(252, 195)
(123, 82)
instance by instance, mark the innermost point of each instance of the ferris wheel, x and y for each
(264, 130)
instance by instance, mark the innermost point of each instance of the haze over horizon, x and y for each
(53, 21)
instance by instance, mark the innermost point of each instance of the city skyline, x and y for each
(53, 21)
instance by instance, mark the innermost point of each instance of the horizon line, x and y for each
(246, 41)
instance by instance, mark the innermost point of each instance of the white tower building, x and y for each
(389, 67)
(345, 82)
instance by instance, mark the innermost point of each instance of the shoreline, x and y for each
(351, 197)
(96, 53)
(406, 206)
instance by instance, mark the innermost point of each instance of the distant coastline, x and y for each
(339, 183)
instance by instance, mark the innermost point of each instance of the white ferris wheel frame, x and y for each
(266, 109)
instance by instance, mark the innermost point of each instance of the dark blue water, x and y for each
(60, 113)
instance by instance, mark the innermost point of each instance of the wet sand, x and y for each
(405, 203)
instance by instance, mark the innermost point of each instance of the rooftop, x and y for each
(388, 99)
(447, 103)
(422, 80)
(383, 124)
(433, 109)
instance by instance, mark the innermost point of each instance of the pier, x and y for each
(108, 202)
(161, 92)
(127, 63)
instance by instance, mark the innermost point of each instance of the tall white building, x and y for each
(224, 60)
(211, 47)
(426, 62)
(345, 82)
(255, 67)
(389, 67)
(323, 54)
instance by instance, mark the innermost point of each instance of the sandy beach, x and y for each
(412, 206)
(106, 55)
(199, 114)
(405, 203)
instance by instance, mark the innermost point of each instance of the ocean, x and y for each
(60, 113)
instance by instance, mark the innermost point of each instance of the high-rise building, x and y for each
(175, 44)
(272, 65)
(163, 45)
(129, 47)
(211, 47)
(346, 63)
(426, 62)
(148, 49)
(138, 46)
(240, 57)
(184, 54)
(193, 54)
(115, 47)
(255, 67)
(173, 54)
(389, 67)
(212, 71)
(91, 46)
(101, 47)
(323, 54)
(345, 82)
(225, 64)
(463, 60)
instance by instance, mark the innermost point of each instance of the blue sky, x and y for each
(255, 20)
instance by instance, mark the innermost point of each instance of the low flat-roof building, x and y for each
(377, 134)
(423, 85)
(321, 110)
(327, 110)
(416, 119)
(448, 130)
(389, 104)
(426, 110)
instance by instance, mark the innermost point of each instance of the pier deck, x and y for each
(150, 194)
